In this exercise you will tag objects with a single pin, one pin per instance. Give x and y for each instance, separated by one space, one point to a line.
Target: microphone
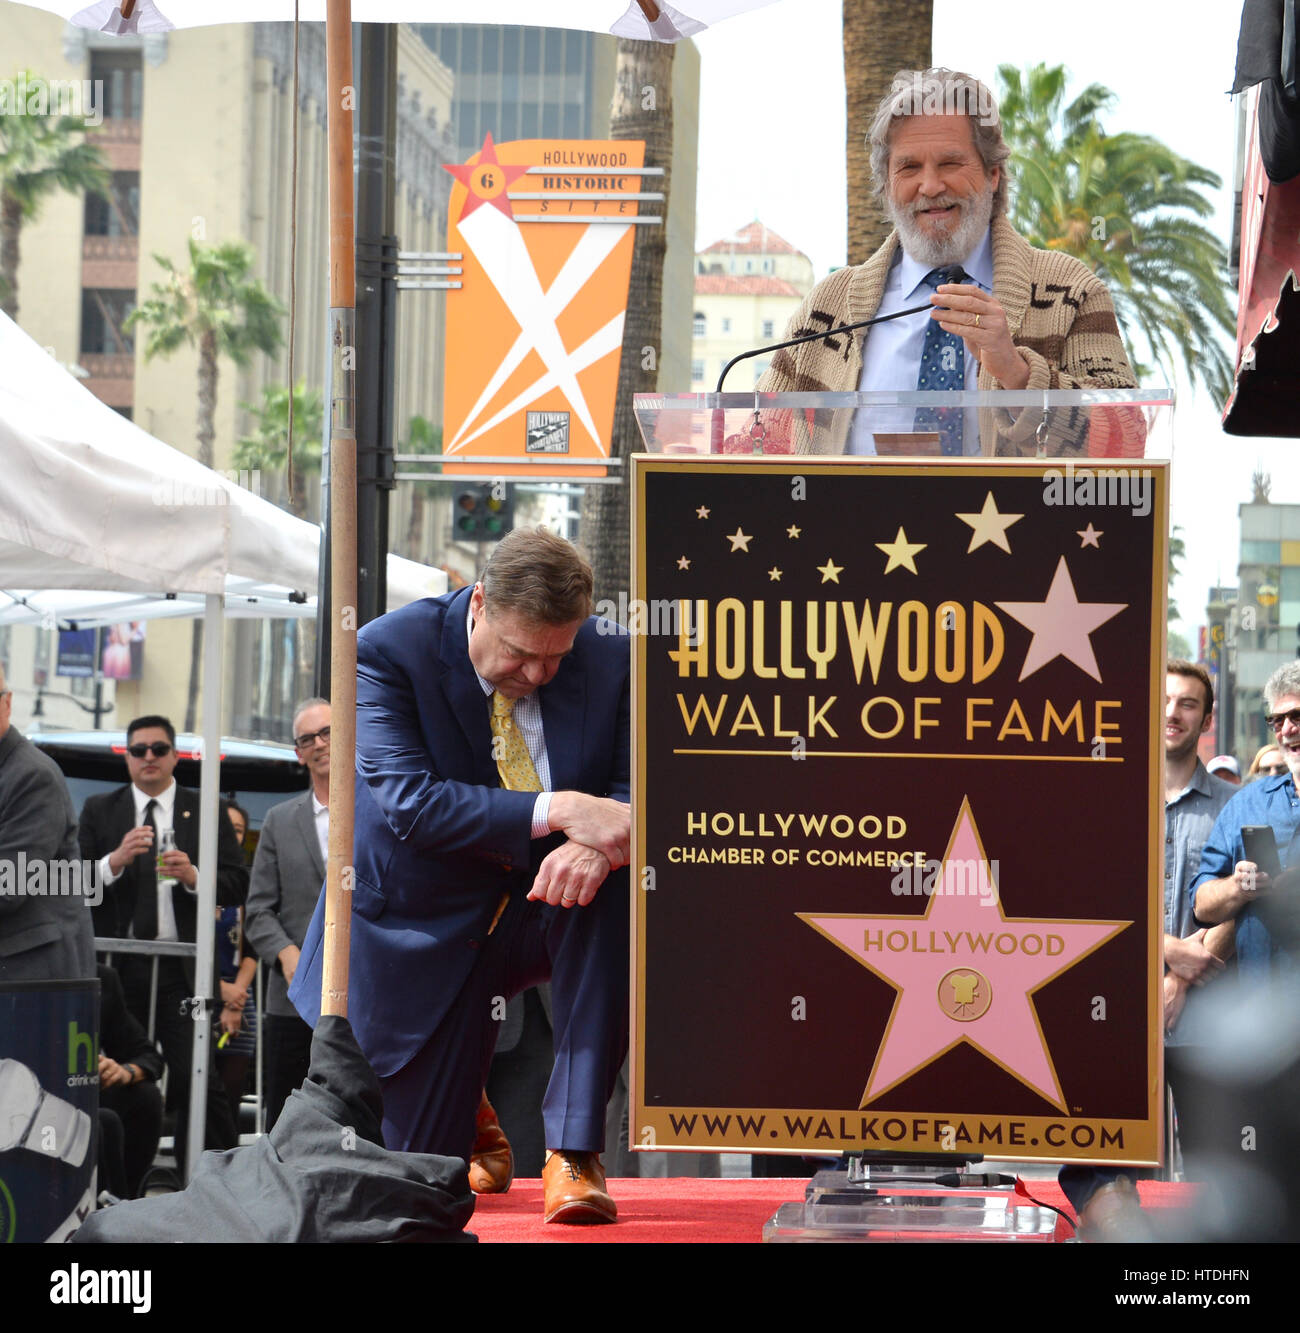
956 274
965 1180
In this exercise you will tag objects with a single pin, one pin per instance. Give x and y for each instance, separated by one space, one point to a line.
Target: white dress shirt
891 357
163 816
322 814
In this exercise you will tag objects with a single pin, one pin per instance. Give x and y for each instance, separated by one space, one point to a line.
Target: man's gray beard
937 251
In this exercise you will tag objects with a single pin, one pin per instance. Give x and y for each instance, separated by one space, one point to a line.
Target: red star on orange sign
486 180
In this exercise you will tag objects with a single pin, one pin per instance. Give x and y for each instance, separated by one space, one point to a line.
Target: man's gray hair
302 706
935 92
1285 680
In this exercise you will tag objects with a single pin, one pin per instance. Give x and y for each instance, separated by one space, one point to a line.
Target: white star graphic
774 574
1089 536
702 512
683 563
830 571
901 552
1061 625
739 541
989 525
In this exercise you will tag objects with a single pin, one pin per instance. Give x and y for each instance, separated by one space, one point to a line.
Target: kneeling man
493 754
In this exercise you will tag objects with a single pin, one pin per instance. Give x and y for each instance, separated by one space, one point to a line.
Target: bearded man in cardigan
1022 318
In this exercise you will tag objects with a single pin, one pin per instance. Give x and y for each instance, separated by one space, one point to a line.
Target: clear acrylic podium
1080 424
1083 428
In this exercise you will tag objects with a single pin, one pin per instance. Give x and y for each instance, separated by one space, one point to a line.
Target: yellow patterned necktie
514 763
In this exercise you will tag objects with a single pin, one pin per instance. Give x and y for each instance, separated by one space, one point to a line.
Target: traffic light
482 511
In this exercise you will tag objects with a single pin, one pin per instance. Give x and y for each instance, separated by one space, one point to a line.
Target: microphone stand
957 275
817 336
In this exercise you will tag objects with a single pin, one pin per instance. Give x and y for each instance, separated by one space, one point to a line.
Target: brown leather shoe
575 1188
491 1164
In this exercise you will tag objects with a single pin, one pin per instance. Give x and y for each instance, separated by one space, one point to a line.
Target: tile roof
754 239
745 284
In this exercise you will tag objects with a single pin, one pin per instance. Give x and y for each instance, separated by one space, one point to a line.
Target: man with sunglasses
153 896
288 872
1229 886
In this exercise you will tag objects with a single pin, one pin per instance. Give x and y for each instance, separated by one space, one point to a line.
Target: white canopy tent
116 522
624 18
90 500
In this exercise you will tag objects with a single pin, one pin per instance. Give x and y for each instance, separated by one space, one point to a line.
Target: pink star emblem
964 971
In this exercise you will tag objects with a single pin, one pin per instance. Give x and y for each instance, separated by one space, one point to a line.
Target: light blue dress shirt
891 358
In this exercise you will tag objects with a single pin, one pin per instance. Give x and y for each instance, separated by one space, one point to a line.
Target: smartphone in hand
1261 847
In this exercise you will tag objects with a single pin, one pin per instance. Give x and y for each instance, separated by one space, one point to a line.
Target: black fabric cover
1267 55
1259 42
322 1174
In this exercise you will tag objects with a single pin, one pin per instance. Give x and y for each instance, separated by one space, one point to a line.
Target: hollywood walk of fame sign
544 229
899 814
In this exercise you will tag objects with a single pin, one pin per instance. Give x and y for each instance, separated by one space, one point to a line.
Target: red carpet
686 1211
680 1211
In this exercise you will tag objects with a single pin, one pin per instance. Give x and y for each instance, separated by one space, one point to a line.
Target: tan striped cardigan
1060 317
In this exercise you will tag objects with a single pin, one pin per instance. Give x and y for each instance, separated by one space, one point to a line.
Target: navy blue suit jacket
437 839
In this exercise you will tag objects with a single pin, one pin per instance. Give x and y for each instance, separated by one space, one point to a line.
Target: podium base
838 1209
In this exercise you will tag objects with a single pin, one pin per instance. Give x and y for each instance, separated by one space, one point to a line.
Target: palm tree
266 448
215 306
422 437
881 37
606 528
1126 205
1177 554
39 155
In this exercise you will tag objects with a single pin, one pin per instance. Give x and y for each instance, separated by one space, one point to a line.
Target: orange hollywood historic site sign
545 229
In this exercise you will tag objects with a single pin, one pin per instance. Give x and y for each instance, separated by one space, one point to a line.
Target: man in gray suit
288 871
43 936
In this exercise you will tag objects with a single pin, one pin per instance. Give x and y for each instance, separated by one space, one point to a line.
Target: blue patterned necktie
943 367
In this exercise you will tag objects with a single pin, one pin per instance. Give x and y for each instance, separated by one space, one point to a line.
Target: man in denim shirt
1193 800
1105 1198
1228 885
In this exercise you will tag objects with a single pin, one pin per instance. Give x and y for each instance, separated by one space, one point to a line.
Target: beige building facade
746 288
197 127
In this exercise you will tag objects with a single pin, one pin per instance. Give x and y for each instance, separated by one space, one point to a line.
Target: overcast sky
772 146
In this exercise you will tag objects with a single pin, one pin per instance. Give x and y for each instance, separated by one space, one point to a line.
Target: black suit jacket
105 821
121 1037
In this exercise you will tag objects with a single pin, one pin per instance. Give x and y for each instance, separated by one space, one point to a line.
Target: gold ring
977 321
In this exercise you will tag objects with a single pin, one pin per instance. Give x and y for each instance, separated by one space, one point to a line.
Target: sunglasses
159 749
309 738
1275 720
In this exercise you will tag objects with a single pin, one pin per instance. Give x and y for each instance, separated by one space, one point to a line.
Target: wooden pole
343 508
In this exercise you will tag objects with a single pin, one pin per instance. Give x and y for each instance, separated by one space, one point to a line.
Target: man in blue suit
492 832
